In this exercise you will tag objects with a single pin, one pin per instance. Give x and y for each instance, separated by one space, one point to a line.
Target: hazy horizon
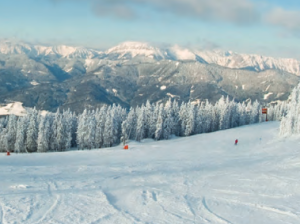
270 28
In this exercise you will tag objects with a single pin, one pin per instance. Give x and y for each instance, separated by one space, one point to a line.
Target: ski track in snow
264 207
51 186
112 201
216 218
199 179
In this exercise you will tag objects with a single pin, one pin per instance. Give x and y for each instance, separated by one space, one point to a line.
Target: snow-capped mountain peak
129 50
11 47
257 62
132 49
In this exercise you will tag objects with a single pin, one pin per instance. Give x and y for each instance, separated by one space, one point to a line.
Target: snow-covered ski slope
198 179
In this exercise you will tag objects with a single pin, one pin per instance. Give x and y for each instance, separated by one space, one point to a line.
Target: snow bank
15 108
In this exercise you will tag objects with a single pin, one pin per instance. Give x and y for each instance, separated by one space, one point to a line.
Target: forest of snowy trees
111 125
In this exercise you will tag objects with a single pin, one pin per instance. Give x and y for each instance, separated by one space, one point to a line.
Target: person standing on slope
236 141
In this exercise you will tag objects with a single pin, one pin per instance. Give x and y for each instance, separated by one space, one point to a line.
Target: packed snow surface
199 179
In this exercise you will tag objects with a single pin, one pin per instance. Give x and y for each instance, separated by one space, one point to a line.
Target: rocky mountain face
131 73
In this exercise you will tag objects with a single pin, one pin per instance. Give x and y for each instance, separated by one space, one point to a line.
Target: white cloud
238 12
233 11
284 18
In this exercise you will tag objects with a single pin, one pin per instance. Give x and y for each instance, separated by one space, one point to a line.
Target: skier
236 141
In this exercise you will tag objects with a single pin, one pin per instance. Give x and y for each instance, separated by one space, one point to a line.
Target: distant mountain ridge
129 74
129 50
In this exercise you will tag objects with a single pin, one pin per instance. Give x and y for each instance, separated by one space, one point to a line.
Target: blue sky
246 26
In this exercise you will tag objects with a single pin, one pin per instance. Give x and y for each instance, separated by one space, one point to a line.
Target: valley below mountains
131 73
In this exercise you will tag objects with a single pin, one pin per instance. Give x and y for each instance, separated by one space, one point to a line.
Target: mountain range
51 77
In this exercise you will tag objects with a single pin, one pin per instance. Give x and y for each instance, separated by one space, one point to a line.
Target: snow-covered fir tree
159 123
11 132
22 124
141 126
100 117
44 134
32 132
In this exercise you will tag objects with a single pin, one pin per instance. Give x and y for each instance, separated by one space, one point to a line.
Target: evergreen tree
81 130
44 134
11 132
159 123
153 121
168 124
100 124
254 113
190 120
55 119
32 132
108 130
128 125
3 140
141 120
21 135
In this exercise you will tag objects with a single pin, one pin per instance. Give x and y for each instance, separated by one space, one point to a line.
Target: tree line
111 125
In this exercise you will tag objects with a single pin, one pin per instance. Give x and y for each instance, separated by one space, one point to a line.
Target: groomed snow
198 179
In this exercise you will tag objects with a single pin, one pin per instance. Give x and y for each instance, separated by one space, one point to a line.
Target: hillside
198 179
129 74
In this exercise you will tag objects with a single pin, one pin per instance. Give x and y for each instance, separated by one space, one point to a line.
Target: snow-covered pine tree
175 115
11 132
128 125
91 131
199 119
168 123
254 113
100 117
108 138
61 129
242 110
190 119
235 116
32 132
115 115
74 130
159 123
81 130
21 135
54 121
153 120
3 140
148 110
68 117
44 134
183 118
222 109
208 117
141 120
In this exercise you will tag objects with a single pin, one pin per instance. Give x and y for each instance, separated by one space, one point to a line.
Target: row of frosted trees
111 125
